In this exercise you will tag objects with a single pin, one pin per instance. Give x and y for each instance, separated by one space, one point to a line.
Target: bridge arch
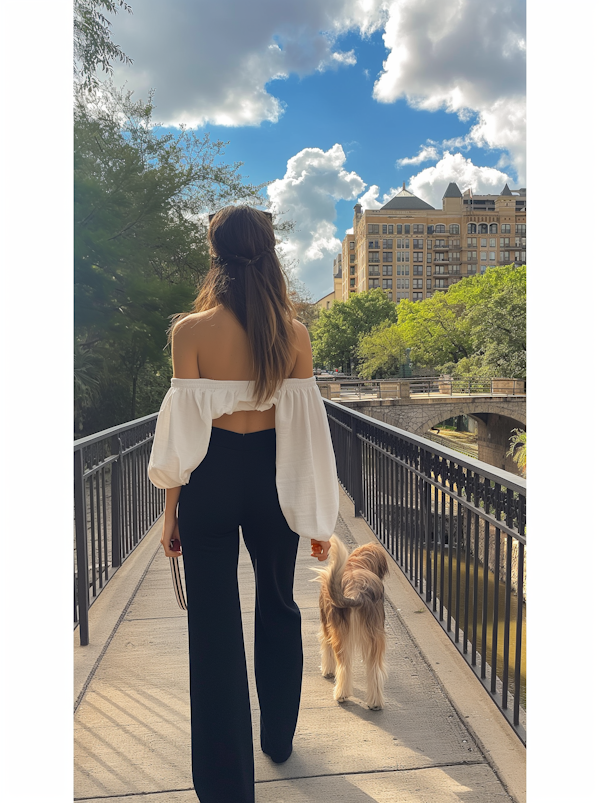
478 411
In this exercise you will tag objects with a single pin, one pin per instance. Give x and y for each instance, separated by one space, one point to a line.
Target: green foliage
140 248
476 328
92 45
518 449
381 352
337 331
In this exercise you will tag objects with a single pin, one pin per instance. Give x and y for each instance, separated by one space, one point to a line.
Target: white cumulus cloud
315 180
431 183
464 56
427 154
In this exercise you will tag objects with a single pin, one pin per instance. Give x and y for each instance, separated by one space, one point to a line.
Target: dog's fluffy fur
353 617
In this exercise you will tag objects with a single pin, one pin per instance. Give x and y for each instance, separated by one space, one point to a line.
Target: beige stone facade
412 250
337 293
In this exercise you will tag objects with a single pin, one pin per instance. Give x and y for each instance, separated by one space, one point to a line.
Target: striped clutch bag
176 577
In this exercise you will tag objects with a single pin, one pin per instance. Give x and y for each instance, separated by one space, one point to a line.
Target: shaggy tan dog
353 617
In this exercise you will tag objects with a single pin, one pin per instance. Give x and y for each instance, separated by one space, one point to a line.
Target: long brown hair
245 276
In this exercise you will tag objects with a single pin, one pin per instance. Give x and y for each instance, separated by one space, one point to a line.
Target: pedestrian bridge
443 735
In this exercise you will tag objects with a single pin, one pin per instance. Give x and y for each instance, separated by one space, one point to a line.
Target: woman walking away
242 440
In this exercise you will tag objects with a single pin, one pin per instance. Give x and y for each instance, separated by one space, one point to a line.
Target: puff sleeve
181 438
306 476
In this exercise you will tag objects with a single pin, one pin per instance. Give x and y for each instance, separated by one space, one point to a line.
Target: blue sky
324 98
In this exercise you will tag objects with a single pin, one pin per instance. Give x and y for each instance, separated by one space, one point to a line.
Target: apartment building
412 250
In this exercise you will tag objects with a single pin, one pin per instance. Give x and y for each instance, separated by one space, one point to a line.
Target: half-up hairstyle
245 277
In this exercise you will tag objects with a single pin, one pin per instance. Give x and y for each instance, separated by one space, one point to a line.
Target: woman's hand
170 531
320 549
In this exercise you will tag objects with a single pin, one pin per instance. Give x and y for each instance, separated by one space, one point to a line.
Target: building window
493 228
521 228
429 270
483 228
386 284
440 228
417 284
483 269
429 284
373 256
505 228
504 242
387 270
417 270
417 228
352 257
454 228
402 284
471 242
483 255
417 296
372 228
430 229
443 283
388 256
471 269
373 243
352 282
493 242
483 242
472 255
373 270
429 256
351 244
520 241
373 283
387 243
352 269
417 256
440 256
384 228
428 243
492 256
440 243
403 256
417 243
402 243
454 256
471 228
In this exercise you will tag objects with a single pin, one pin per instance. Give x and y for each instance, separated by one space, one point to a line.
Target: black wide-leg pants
235 486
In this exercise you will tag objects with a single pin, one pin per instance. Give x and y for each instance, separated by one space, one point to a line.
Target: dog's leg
341 643
328 665
373 651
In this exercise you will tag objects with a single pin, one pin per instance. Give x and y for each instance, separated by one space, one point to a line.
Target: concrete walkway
438 740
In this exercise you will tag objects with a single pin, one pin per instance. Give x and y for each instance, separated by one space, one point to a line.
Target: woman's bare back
213 345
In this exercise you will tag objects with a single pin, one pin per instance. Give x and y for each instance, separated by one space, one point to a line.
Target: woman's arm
170 525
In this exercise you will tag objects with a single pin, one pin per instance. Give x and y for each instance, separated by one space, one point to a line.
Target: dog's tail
331 577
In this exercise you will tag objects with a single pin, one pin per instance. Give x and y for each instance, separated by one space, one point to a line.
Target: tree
337 331
140 243
478 327
92 45
518 449
381 352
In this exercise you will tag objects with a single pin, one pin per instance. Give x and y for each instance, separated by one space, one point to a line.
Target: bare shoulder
303 368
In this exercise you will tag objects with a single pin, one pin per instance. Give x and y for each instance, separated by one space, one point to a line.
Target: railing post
83 593
356 469
115 502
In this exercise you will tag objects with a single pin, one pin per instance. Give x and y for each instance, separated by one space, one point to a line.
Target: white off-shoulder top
306 475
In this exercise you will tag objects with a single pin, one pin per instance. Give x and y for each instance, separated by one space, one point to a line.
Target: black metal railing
456 528
115 506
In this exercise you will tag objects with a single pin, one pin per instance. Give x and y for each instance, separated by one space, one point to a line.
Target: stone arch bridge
496 415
